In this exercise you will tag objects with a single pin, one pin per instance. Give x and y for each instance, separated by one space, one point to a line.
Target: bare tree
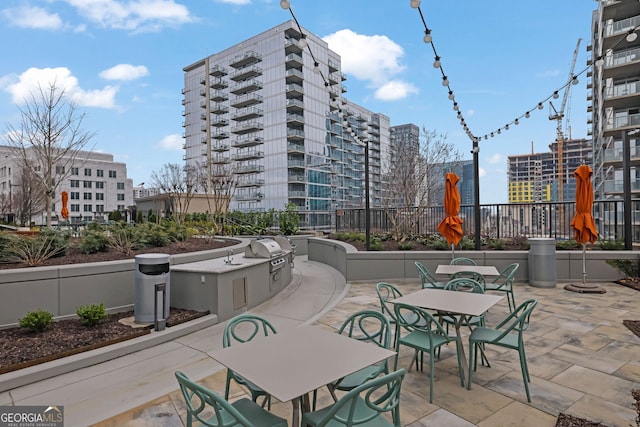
414 177
179 184
28 197
49 138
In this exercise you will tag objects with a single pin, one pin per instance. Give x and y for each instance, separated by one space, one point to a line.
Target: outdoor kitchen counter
230 285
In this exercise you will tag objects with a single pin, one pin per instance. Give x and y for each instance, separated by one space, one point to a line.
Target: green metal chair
425 335
462 261
368 326
508 334
475 276
241 329
202 402
504 283
464 284
427 278
363 406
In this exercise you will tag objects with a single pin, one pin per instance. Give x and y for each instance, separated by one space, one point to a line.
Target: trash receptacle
542 262
152 288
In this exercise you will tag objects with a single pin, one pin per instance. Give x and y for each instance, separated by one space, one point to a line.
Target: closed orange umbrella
64 212
582 223
451 225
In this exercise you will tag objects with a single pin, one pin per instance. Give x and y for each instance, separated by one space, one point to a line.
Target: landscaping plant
37 321
92 314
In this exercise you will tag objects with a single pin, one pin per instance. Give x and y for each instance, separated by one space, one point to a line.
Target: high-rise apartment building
614 91
267 117
534 177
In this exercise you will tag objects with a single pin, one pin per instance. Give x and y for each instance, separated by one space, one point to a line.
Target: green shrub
497 244
289 220
375 245
611 245
467 244
405 246
150 235
567 244
34 251
37 321
94 240
92 314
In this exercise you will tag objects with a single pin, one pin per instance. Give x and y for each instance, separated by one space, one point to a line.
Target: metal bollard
159 325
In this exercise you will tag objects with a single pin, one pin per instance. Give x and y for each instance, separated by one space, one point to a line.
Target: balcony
296 178
246 87
295 118
241 61
250 169
246 127
295 148
219 83
293 59
294 75
295 164
623 121
253 195
250 154
220 135
218 71
250 182
297 194
219 121
247 114
219 159
622 95
220 147
246 73
247 141
294 89
219 109
295 104
246 100
295 134
218 96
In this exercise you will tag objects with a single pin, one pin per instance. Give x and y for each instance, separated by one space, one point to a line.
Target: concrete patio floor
583 361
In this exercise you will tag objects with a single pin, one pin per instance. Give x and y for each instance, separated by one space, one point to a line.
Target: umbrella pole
584 265
453 251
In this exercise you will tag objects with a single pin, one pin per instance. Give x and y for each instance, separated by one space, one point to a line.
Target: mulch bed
633 325
21 348
565 420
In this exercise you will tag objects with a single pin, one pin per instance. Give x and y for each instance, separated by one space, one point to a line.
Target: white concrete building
266 113
96 185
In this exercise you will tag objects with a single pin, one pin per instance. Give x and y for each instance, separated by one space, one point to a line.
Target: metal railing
499 221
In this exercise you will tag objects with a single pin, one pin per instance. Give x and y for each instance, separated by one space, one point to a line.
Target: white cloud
30 81
395 90
136 15
375 59
236 2
495 158
124 72
482 172
171 142
32 17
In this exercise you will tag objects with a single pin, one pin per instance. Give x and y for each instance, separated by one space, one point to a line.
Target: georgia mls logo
31 416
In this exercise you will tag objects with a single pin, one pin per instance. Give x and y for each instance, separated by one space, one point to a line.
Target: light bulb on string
436 63
599 62
527 114
540 107
491 134
485 137
574 80
516 122
631 35
285 4
427 36
415 4
302 43
499 131
316 67
445 81
555 95
506 127
451 97
455 106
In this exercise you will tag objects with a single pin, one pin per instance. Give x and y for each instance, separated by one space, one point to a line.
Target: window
99 196
75 183
120 196
121 207
99 184
87 172
87 196
75 208
75 195
99 208
59 170
87 208
112 174
74 171
86 184
99 173
120 185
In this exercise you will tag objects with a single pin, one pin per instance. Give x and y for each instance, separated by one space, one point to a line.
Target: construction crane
558 115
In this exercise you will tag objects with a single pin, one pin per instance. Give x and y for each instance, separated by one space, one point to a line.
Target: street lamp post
367 207
476 192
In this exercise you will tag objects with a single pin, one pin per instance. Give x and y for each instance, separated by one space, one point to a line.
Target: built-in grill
269 249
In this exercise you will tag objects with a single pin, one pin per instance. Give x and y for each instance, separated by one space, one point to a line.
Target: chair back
245 327
200 401
473 275
368 402
465 284
427 279
462 261
412 318
507 275
369 326
387 292
517 321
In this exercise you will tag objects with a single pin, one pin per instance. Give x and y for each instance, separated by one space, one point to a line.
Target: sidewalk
95 393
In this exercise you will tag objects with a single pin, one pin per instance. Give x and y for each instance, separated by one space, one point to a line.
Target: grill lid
263 248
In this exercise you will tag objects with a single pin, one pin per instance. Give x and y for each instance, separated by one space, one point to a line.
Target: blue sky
122 61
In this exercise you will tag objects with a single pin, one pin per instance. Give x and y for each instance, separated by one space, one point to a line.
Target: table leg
463 358
299 404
